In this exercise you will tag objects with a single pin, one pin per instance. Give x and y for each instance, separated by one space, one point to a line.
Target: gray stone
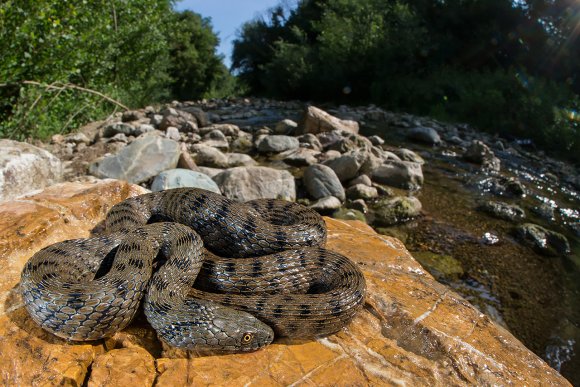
25 168
144 128
321 181
502 210
119 137
210 157
359 205
214 134
542 240
327 203
300 157
316 120
408 155
362 179
349 214
544 211
309 140
248 183
241 145
211 172
77 138
132 115
376 140
143 159
285 126
226 129
328 139
361 191
177 178
424 135
391 211
118 127
479 153
347 166
277 143
172 133
240 160
400 174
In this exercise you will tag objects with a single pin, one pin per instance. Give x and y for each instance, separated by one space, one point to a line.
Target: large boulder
178 178
316 120
143 159
25 168
320 181
413 330
248 183
400 174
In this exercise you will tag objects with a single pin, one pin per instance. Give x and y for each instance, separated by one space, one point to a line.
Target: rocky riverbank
349 163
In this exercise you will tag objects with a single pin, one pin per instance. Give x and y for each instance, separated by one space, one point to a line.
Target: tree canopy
507 66
136 52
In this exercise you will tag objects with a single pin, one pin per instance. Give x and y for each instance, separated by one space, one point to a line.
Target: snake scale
211 273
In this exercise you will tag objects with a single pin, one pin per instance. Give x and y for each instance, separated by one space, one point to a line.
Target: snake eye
247 338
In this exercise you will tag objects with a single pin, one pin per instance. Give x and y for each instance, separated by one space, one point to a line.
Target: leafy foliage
504 66
135 51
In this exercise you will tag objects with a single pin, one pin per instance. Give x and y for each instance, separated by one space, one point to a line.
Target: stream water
536 297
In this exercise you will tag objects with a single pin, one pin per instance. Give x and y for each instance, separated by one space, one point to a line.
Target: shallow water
536 297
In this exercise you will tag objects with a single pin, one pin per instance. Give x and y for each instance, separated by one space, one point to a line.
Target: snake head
240 331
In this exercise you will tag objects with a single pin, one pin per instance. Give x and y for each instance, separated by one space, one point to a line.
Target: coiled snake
277 279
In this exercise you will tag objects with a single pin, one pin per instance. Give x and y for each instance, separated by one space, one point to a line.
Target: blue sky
227 16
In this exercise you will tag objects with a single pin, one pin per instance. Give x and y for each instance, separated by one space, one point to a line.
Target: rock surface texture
413 330
25 168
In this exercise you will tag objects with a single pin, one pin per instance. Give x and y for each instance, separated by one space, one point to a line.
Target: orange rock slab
412 330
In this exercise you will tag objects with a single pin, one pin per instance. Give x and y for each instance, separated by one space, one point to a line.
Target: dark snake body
278 278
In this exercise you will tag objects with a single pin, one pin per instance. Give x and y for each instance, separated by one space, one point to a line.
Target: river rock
362 179
309 140
301 157
347 166
230 130
277 143
400 174
479 153
544 241
208 156
118 127
172 133
376 140
349 214
503 210
361 191
424 135
25 168
400 209
240 160
321 181
177 178
408 155
327 203
316 120
413 331
248 183
143 159
285 126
